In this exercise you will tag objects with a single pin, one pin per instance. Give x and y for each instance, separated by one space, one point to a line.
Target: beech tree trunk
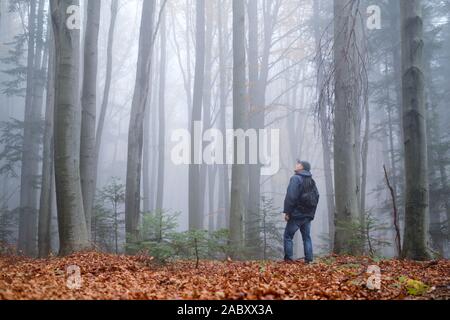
106 90
135 131
346 174
46 199
73 233
326 137
208 171
239 179
195 194
89 109
256 121
161 113
258 75
29 159
224 185
30 155
415 133
150 156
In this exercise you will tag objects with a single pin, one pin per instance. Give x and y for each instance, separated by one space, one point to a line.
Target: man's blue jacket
292 205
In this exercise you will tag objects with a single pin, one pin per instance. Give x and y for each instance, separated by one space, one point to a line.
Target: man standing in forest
300 207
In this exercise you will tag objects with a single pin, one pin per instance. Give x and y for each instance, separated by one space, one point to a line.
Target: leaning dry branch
395 213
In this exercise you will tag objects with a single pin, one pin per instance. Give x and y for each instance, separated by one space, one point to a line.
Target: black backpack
309 198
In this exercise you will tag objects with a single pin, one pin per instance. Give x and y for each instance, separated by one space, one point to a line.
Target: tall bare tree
150 157
239 179
33 109
256 121
48 174
259 67
195 194
415 133
224 185
346 117
161 111
107 88
136 131
208 172
89 109
326 136
73 233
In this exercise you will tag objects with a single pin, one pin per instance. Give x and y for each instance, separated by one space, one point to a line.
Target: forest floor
109 276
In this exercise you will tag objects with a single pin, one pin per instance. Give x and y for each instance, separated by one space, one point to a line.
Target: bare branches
355 58
395 213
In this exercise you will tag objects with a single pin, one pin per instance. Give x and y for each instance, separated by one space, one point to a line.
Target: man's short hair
306 165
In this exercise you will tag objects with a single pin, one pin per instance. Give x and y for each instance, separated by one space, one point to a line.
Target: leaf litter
117 277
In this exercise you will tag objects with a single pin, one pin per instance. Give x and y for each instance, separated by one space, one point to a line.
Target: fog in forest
103 115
